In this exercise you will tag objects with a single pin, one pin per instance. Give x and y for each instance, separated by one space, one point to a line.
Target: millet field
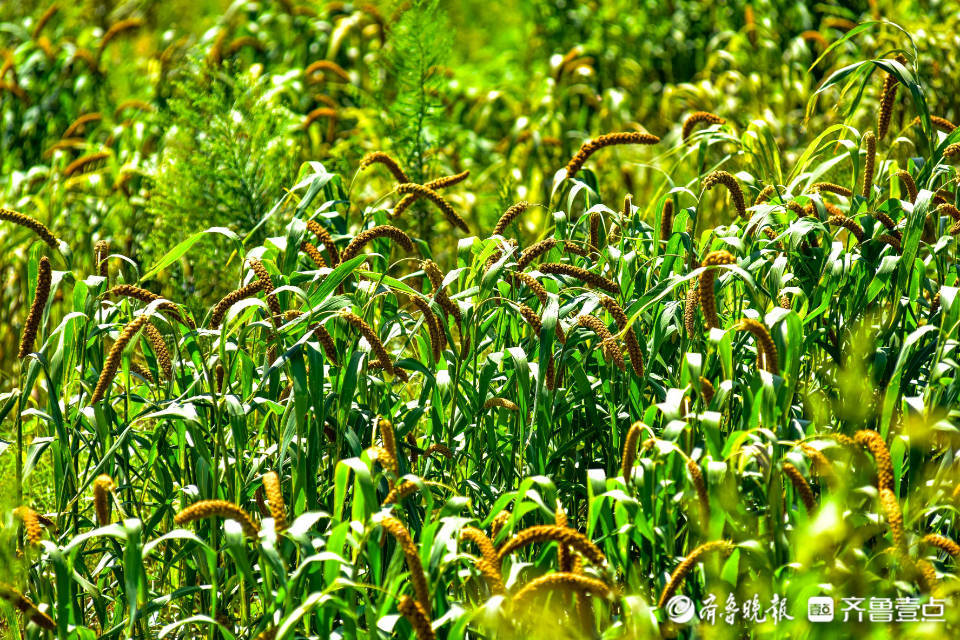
477 320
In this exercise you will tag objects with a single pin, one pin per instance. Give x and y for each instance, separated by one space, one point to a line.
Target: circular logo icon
680 609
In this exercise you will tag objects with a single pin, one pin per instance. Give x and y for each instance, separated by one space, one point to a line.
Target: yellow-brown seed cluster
830 187
840 220
730 182
500 402
436 281
423 191
34 225
112 362
552 533
103 485
358 323
874 442
588 277
696 118
887 96
705 293
534 251
218 508
683 569
801 485
583 585
418 618
629 336
509 216
870 140
382 231
223 305
382 158
326 240
35 315
666 220
767 351
611 351
29 609
419 579
31 523
587 149
278 508
700 486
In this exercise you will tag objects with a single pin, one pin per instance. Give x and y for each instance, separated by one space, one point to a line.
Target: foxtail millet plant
530 282
873 441
888 222
389 439
870 141
218 509
695 118
551 582
223 305
700 486
35 315
683 569
417 616
801 486
34 225
765 194
112 363
383 158
888 94
590 147
417 577
435 276
730 182
829 187
767 349
690 307
264 277
422 191
326 240
503 403
159 349
100 252
666 220
629 455
503 517
30 611
705 294
278 508
611 350
313 253
909 184
381 231
840 220
534 251
103 487
511 214
629 335
943 543
552 533
941 124
438 337
894 516
588 277
31 523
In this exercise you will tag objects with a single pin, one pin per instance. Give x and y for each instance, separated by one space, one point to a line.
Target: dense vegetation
429 320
